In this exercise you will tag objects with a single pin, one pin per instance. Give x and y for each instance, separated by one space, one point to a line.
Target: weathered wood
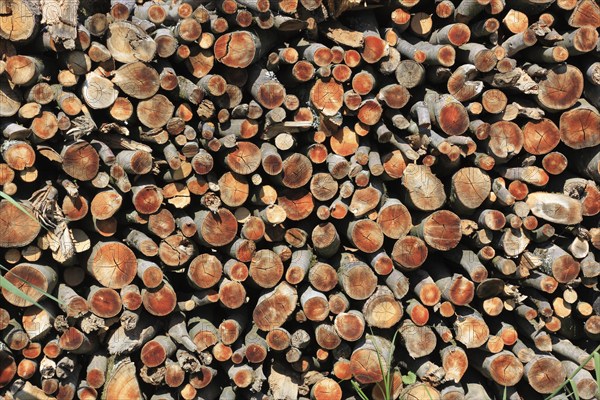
256 155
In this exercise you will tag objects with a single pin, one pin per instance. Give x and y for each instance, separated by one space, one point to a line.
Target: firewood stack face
249 199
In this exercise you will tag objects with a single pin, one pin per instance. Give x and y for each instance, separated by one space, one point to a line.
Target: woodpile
248 199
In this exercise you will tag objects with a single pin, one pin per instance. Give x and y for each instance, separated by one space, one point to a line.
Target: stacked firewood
250 199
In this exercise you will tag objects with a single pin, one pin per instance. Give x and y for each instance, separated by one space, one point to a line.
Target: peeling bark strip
248 199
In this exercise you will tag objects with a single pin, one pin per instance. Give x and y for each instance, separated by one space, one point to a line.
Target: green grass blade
428 392
359 390
558 389
597 368
42 291
7 285
389 382
383 373
574 386
18 205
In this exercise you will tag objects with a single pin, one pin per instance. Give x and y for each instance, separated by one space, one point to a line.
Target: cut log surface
113 264
18 228
250 199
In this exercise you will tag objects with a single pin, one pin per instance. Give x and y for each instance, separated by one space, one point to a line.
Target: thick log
558 263
394 219
418 340
553 100
122 50
544 373
366 235
470 188
215 229
554 207
19 228
25 276
423 189
122 381
113 264
409 252
504 368
471 329
239 49
579 126
425 288
506 140
583 380
483 58
104 302
356 279
454 362
314 304
17 154
447 113
365 364
269 313
382 310
441 230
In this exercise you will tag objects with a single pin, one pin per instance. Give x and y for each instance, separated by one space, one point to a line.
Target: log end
235 49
